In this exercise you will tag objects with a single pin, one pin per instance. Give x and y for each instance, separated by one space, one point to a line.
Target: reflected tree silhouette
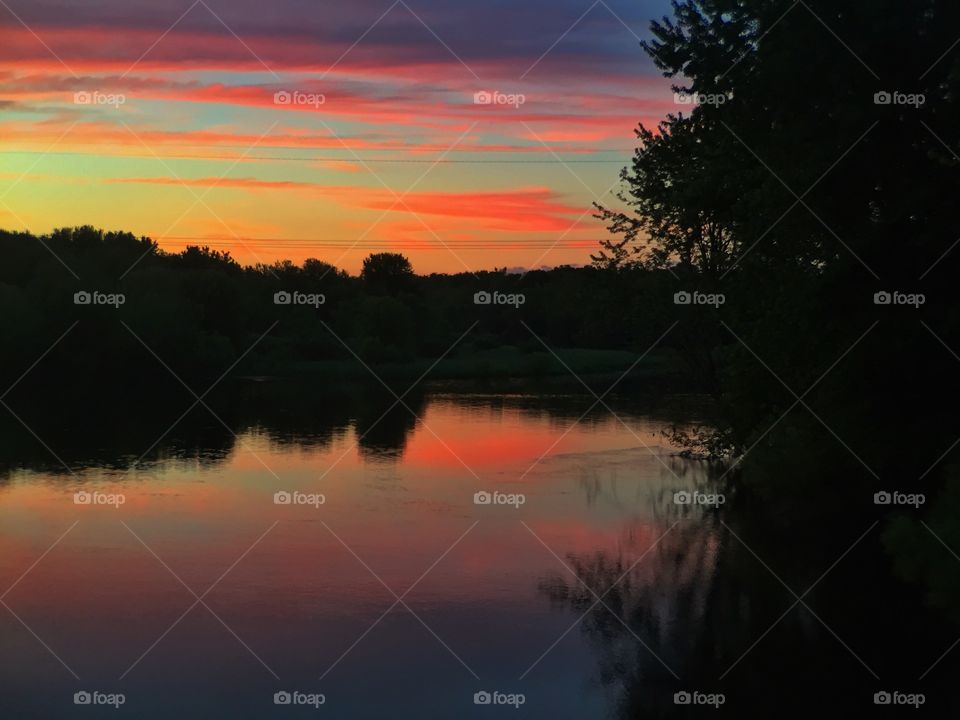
383 428
706 610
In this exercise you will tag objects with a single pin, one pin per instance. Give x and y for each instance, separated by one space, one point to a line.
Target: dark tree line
203 313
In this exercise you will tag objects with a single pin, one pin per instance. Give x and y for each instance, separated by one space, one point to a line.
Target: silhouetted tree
799 188
680 198
387 273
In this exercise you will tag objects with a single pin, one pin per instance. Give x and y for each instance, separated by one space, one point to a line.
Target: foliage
795 191
202 314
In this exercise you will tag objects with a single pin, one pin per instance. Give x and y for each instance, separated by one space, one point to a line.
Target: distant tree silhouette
387 273
201 311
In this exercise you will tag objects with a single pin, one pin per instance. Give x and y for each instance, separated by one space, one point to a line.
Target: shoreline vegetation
202 313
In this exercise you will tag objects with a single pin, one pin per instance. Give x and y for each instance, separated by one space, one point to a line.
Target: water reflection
781 621
494 598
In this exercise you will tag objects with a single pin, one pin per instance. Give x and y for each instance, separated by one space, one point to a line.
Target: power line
279 158
303 243
341 241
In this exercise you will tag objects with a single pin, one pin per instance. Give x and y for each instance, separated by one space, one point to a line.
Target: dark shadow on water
713 608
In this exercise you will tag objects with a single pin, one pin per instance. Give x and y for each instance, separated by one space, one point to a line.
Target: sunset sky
296 129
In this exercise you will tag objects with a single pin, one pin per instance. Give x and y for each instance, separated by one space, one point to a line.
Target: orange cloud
514 210
109 139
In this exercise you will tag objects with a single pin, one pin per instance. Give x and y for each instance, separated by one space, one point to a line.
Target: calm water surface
302 597
399 596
